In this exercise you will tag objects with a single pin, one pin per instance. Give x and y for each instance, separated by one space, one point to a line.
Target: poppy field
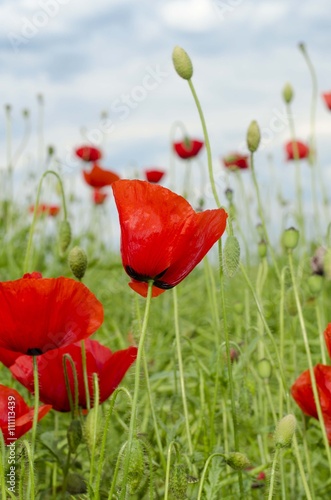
189 359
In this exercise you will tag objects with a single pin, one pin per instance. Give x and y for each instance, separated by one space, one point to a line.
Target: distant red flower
302 150
154 175
39 314
44 209
235 161
99 197
327 99
16 417
99 178
88 153
109 366
302 391
162 237
188 148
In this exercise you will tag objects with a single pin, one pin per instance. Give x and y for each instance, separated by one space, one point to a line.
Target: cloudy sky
112 58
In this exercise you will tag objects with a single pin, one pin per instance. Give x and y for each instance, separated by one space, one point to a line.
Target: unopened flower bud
237 460
238 308
50 150
285 430
288 93
136 472
290 238
77 261
231 256
315 283
253 136
262 249
74 435
93 428
178 481
264 368
64 236
182 63
229 194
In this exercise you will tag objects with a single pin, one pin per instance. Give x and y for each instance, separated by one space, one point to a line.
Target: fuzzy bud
253 136
262 249
93 429
264 368
136 472
315 283
74 435
77 261
237 460
288 93
64 236
182 63
178 481
231 256
285 430
290 238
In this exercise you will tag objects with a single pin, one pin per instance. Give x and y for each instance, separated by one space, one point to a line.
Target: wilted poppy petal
39 314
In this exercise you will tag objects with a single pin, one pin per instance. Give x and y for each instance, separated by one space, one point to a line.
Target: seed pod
285 430
182 63
264 368
262 249
231 256
64 236
77 261
315 283
288 93
290 238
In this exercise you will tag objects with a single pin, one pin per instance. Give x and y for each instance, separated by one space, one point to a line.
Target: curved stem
85 376
36 404
64 206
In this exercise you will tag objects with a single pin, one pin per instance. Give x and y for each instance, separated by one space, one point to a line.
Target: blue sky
88 58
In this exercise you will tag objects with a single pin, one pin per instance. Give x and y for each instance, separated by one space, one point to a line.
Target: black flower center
145 279
34 351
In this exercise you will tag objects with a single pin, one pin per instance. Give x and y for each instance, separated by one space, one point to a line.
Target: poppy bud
253 136
64 236
50 150
178 481
182 63
76 484
262 249
237 460
288 93
74 435
290 238
229 194
285 430
264 368
315 283
77 261
238 308
136 472
231 256
93 429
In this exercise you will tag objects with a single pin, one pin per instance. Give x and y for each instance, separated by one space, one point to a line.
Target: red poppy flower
44 209
39 314
301 149
188 148
88 153
110 367
16 417
235 161
327 99
302 390
8 357
154 175
162 237
99 196
99 178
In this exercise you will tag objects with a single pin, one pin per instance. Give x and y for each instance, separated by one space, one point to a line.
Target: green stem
181 372
167 478
132 428
301 469
207 144
32 227
30 490
273 473
85 376
309 359
95 426
204 472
